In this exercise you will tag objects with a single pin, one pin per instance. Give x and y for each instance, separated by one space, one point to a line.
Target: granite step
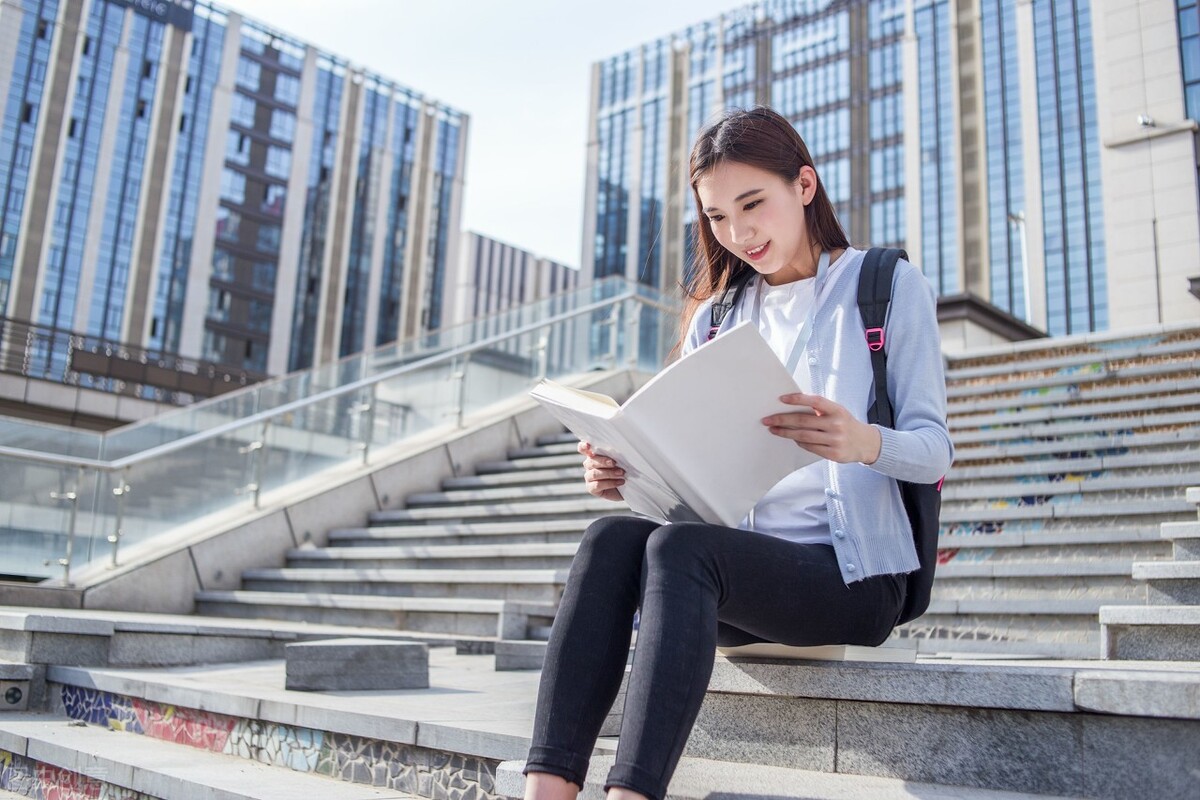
448 617
1185 539
524 585
463 556
500 494
704 779
1158 510
1002 401
1145 457
535 477
1089 446
1159 633
1088 729
543 451
562 437
585 507
103 762
1056 419
574 460
971 367
1000 429
1170 583
1182 367
1105 581
1067 547
553 531
1165 478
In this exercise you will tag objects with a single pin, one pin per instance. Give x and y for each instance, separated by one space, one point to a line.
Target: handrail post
634 322
612 324
119 491
368 417
259 451
543 348
460 390
71 497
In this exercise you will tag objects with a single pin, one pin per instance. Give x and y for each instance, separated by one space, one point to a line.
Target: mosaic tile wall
416 770
42 782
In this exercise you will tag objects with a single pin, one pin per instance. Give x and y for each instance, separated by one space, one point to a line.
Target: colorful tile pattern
417 770
44 782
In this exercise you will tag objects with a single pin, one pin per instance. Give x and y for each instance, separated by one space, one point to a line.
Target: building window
279 162
243 110
249 73
283 125
233 187
287 89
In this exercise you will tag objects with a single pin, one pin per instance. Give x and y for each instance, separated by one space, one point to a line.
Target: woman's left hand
829 430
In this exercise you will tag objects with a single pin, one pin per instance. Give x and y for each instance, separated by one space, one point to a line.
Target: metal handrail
263 416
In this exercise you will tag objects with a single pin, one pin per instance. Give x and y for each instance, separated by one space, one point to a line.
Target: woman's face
759 217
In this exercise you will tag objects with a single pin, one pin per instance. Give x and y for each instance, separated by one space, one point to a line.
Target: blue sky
521 70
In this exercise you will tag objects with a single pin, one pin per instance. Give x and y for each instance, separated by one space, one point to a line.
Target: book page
704 415
644 490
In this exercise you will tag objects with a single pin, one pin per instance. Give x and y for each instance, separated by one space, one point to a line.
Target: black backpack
922 501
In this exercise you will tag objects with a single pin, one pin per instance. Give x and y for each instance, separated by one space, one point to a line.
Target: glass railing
59 512
212 412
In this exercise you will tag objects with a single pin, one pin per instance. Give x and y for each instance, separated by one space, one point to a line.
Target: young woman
821 559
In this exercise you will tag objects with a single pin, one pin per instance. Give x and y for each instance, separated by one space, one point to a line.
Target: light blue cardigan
869 528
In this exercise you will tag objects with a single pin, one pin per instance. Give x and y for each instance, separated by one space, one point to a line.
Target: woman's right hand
601 474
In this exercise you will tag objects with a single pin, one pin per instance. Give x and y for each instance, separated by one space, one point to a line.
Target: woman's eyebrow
737 199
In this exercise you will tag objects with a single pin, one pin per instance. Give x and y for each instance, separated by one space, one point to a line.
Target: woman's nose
741 233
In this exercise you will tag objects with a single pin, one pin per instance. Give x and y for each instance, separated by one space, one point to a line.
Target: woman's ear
806 184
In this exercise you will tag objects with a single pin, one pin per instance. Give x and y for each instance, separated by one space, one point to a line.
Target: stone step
1090 446
1089 730
1002 401
500 494
515 478
449 617
463 556
585 507
1152 404
958 643
1184 538
702 779
1193 496
1000 428
1030 361
100 763
522 532
1121 510
562 437
524 585
1012 538
1108 482
1158 633
1181 367
542 451
1170 583
1145 457
531 464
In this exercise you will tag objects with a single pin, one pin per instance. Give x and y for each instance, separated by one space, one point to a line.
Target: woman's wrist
872 445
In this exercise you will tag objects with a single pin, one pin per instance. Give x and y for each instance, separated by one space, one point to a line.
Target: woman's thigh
774 590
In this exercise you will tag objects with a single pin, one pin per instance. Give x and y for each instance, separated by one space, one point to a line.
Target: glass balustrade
244 451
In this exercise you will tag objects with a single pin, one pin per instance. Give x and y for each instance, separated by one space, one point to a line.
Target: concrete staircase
1069 457
1168 629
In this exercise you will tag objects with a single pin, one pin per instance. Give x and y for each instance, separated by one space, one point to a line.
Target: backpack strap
874 295
733 293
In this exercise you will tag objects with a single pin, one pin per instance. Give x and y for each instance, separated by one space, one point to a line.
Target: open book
691 441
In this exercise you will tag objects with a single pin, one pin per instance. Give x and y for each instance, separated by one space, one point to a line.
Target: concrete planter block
337 665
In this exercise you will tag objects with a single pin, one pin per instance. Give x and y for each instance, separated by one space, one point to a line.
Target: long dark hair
758 137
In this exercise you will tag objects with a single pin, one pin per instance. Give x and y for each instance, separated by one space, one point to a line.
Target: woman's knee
677 544
620 538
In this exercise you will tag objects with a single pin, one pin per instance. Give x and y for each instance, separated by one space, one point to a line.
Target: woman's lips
756 253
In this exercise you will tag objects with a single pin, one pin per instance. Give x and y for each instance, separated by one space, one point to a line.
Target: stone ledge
1166 570
978 684
1180 530
1193 495
1150 615
697 779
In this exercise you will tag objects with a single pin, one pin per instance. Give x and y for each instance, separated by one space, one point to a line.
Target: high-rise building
491 276
176 176
1038 154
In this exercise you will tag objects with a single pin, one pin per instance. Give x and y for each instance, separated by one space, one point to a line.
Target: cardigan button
851 568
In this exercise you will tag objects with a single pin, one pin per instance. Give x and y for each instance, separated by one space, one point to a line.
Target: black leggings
698 586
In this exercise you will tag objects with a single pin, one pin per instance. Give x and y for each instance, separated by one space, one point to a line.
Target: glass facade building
178 177
966 132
